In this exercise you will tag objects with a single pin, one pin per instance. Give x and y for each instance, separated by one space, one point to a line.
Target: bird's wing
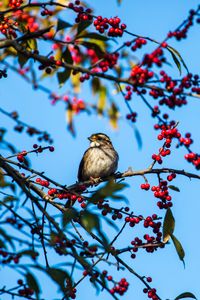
81 166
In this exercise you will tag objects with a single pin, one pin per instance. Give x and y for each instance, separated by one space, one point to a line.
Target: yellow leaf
76 83
113 114
102 100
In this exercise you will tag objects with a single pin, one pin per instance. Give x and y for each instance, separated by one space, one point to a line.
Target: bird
99 160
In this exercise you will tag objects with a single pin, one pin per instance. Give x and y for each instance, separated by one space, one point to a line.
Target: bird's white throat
94 144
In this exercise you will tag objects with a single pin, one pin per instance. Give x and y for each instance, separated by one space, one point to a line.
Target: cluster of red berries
145 186
193 158
172 101
60 244
115 29
120 288
155 58
196 90
21 155
129 93
7 27
82 13
46 12
167 133
187 141
84 77
151 293
150 221
139 42
28 20
88 251
132 117
109 61
15 3
14 221
8 257
25 292
133 220
161 192
140 76
71 291
182 33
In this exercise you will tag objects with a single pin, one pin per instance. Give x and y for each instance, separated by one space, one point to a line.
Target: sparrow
99 160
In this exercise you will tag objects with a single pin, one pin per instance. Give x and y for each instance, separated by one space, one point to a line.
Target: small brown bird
99 160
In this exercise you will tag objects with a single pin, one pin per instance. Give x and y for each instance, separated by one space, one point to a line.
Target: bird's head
99 139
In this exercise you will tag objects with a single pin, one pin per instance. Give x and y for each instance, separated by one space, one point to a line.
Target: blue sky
153 19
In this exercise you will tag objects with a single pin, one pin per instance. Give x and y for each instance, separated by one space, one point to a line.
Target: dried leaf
168 225
179 249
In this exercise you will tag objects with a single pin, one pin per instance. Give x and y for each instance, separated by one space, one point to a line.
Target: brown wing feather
81 166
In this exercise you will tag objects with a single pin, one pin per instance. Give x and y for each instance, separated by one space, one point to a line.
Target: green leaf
33 283
168 225
174 188
177 58
93 35
94 46
96 83
63 76
179 249
68 216
7 238
90 221
185 295
30 253
108 190
59 276
67 57
83 25
2 245
62 25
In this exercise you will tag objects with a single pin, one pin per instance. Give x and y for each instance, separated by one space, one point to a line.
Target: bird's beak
90 139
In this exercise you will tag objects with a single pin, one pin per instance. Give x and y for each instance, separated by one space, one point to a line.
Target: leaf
108 190
93 35
22 59
177 58
2 245
83 25
62 25
7 238
69 117
67 57
59 276
32 44
174 188
30 253
92 45
33 283
68 215
102 100
185 295
168 225
76 83
63 76
96 84
138 137
90 221
179 249
113 114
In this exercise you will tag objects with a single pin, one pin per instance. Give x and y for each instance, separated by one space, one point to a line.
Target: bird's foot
95 181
